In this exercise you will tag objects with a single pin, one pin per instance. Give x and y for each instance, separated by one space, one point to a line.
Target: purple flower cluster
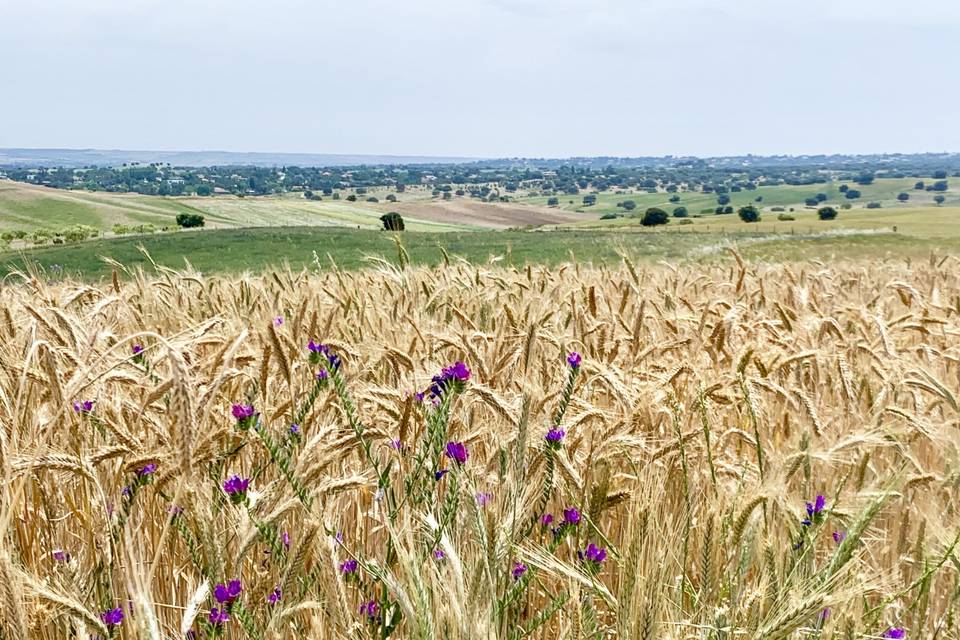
83 407
593 554
236 487
518 570
137 349
574 359
452 378
226 594
112 617
571 517
483 498
245 415
275 595
61 556
218 617
894 633
839 536
320 352
147 470
370 609
554 438
349 567
815 511
457 451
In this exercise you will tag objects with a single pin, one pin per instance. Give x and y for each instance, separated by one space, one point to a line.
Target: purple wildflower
147 470
126 492
573 359
438 554
236 487
61 556
83 407
278 321
370 610
245 414
322 374
839 536
219 616
396 444
348 567
895 633
824 615
438 475
320 352
285 539
546 519
594 554
113 617
174 510
518 570
483 498
275 596
226 594
452 377
137 349
815 511
418 396
458 452
571 517
554 437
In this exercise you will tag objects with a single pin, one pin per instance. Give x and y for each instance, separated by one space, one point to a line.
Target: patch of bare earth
483 214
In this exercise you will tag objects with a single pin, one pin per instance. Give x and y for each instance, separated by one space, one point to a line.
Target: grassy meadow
728 450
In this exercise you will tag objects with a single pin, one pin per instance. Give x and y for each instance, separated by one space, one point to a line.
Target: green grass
238 250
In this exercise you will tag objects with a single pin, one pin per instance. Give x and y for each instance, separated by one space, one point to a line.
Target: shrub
350 198
629 205
680 212
553 202
903 197
846 205
785 217
609 216
190 220
654 216
749 213
372 199
873 205
852 194
392 221
686 221
775 209
589 200
674 198
811 202
939 199
826 213
939 185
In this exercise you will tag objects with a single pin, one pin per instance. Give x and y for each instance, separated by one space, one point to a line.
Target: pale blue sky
483 77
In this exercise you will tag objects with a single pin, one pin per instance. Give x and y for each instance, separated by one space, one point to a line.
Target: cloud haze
482 77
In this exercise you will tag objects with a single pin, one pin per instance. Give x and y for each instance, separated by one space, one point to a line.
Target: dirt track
483 214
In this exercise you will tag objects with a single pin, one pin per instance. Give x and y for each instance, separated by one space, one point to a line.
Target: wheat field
656 488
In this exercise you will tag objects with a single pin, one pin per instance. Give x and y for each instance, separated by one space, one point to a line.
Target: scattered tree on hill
351 198
821 197
391 197
852 194
392 221
939 199
204 190
189 220
903 197
553 202
674 198
758 199
629 205
589 200
919 186
940 174
680 212
749 213
724 199
827 213
843 188
873 205
654 216
811 202
939 185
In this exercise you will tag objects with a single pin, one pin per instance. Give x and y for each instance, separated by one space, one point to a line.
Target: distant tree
392 221
864 179
351 198
939 185
372 199
391 197
609 216
749 213
361 191
629 205
653 217
308 194
680 212
903 197
811 202
589 200
327 191
852 194
758 199
940 174
844 188
189 220
728 209
674 198
204 190
821 197
723 199
447 195
553 202
827 213
336 195
919 186
459 192
939 199
401 187
846 205
873 205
